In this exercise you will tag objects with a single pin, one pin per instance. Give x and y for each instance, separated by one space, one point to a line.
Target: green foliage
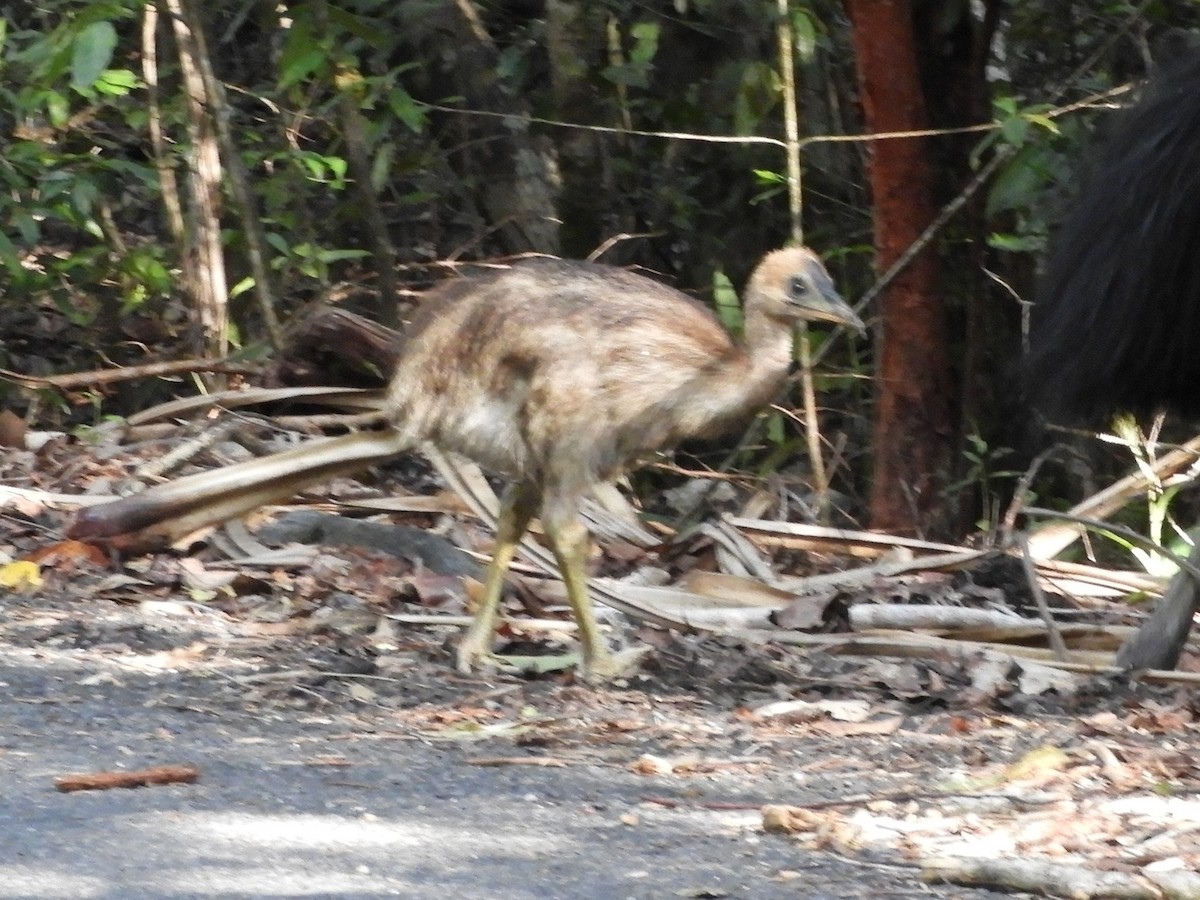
636 70
757 97
92 52
725 298
82 224
326 62
806 33
1158 497
67 165
1040 163
773 184
310 260
984 474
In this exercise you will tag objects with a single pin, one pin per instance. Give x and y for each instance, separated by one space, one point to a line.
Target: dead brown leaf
68 555
12 430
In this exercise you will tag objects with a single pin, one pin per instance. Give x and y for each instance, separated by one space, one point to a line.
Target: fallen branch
1055 879
104 781
73 380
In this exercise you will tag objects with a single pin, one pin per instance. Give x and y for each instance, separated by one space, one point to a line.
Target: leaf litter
932 726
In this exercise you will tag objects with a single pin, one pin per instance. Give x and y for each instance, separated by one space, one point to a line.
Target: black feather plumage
1117 322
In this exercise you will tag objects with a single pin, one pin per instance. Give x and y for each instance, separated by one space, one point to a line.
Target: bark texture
914 422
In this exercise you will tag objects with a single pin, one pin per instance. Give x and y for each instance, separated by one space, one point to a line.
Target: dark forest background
184 179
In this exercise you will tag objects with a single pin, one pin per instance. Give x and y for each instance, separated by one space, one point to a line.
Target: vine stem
791 127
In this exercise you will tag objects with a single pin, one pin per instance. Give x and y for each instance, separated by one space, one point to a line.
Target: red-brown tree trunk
913 416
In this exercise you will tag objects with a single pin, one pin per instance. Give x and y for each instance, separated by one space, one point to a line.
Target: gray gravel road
296 804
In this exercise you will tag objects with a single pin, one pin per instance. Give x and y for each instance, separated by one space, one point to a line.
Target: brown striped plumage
555 374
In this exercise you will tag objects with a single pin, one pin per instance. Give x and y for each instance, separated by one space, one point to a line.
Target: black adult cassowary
1117 322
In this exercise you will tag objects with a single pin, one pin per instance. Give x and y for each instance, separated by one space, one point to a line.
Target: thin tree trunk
913 414
239 181
203 262
168 183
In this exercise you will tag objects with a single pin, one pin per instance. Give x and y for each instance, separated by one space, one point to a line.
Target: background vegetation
185 178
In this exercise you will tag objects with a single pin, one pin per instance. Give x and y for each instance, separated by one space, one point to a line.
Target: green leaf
1044 121
361 28
241 287
635 72
58 110
405 108
725 298
757 94
277 241
116 82
323 169
91 54
776 434
769 177
1015 243
1015 130
9 256
26 223
1005 107
83 196
1020 183
301 66
337 255
645 37
148 269
302 53
804 32
625 75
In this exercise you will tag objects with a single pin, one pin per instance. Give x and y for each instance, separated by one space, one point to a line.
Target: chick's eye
797 286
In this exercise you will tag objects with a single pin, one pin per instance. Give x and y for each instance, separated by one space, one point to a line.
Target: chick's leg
517 509
569 540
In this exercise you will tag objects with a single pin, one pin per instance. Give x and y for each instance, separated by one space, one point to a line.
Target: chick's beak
829 306
834 309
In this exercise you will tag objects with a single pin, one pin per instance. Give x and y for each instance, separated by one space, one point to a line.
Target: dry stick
792 147
791 121
615 239
103 781
616 59
73 380
1127 533
158 466
937 648
791 128
1008 523
727 138
1057 644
